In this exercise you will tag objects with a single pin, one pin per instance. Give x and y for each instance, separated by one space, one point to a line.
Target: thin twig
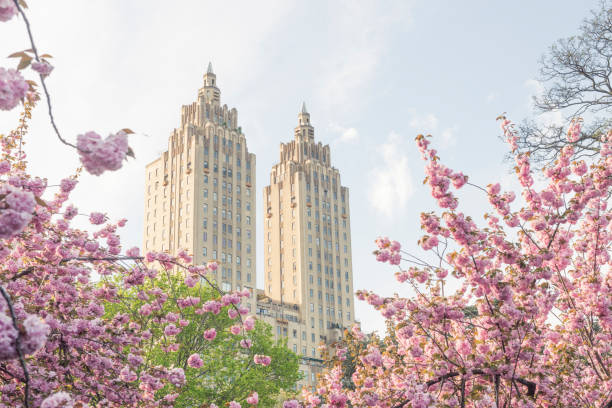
24 367
42 79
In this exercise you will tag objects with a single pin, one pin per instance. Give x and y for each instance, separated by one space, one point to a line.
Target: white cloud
425 123
491 97
346 135
429 123
390 183
448 137
358 42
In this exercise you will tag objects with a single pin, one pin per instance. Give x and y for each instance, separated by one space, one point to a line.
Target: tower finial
209 70
304 107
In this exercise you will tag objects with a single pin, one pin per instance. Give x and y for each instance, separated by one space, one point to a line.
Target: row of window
225 257
225 242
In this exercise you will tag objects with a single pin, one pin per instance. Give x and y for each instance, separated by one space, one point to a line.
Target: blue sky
373 75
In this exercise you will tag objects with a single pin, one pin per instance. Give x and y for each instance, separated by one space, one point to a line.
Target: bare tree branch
42 78
575 75
26 375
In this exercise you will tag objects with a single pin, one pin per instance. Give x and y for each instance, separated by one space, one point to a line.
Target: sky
373 74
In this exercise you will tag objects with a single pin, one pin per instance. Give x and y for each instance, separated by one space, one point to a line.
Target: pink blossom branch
531 386
26 375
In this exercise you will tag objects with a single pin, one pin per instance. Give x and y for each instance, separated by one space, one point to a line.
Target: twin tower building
200 196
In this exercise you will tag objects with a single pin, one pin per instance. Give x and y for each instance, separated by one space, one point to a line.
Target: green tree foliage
228 372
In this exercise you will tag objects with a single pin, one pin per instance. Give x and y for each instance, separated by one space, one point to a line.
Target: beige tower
200 193
307 243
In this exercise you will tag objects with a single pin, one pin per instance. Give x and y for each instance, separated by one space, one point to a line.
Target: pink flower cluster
99 155
34 336
573 133
195 361
253 399
7 10
16 210
43 68
388 251
262 360
58 400
291 404
13 87
210 334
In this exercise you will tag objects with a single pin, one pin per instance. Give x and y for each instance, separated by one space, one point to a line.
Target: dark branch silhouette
575 75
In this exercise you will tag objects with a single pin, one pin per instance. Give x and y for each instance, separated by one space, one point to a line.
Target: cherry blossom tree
62 343
513 312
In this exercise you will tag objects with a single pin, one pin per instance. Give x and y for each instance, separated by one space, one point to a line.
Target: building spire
209 70
304 107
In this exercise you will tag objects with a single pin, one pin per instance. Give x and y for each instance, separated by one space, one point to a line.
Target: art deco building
308 292
200 193
200 197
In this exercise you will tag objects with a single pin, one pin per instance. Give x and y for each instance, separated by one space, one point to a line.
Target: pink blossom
99 155
191 281
134 360
235 329
253 399
97 218
68 184
13 87
234 404
210 334
291 404
36 332
249 323
195 361
573 132
262 360
8 338
43 68
171 330
176 376
246 343
58 400
133 252
15 210
127 375
7 10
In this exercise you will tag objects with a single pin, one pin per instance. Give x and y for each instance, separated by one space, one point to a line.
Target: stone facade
200 194
200 197
307 247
